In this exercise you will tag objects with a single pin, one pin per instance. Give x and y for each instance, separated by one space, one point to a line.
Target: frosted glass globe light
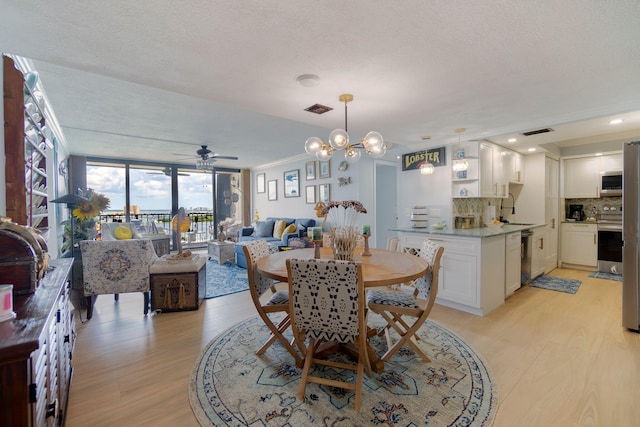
325 153
339 139
313 145
373 141
352 154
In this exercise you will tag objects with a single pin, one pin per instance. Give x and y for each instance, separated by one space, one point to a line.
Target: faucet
513 205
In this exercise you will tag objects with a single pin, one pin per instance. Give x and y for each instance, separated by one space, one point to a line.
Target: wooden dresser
35 353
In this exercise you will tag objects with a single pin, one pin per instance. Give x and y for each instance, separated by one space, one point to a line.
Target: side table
221 251
178 285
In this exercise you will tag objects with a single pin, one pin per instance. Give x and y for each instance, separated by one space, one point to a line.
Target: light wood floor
558 359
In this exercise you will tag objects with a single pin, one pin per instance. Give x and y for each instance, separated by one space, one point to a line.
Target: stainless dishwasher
526 252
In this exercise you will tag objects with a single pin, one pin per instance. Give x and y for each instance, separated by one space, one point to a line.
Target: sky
150 191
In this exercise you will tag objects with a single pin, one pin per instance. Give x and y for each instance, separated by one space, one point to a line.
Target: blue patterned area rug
559 284
608 276
225 279
231 386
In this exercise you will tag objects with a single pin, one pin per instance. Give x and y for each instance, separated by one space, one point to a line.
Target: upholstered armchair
115 267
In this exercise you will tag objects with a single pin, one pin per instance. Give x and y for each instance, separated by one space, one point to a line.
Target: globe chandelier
373 144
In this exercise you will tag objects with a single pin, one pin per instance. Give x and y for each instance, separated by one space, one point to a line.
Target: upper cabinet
491 168
581 177
25 146
582 174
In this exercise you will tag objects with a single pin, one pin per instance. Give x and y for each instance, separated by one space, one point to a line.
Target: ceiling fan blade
215 156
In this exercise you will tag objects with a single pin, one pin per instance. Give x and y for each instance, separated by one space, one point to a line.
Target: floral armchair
115 267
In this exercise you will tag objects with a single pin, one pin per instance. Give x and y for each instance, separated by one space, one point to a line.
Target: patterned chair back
430 252
326 297
254 251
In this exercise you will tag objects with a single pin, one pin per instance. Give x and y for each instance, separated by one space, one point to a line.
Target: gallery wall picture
325 169
324 195
260 181
310 191
292 183
310 168
272 190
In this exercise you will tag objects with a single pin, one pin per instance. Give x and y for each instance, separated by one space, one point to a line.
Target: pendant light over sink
373 143
459 164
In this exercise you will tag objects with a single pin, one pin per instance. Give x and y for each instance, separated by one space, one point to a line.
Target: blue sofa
263 230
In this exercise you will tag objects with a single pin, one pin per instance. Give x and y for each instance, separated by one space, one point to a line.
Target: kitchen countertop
471 232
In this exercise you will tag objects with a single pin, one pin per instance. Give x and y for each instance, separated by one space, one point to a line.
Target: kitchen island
473 266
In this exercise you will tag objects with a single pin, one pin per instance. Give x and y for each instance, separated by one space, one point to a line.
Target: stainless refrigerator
630 236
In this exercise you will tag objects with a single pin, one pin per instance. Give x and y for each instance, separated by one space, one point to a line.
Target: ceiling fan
166 171
205 154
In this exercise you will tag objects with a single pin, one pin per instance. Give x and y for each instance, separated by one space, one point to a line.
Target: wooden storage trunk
18 263
179 291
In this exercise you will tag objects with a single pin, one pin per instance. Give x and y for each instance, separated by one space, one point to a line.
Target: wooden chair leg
147 300
90 301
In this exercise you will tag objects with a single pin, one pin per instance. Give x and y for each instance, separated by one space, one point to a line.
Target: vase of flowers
344 231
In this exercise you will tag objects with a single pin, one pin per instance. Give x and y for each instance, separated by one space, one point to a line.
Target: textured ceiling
154 80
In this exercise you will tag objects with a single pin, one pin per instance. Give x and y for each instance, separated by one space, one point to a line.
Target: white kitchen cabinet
538 257
515 167
513 261
579 244
610 163
552 209
581 177
494 173
471 276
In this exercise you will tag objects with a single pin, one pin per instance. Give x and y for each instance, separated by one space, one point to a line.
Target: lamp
459 164
427 168
373 143
205 164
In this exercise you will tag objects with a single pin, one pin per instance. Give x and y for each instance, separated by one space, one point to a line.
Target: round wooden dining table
381 268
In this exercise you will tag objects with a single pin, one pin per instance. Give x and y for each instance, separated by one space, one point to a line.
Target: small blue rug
608 276
559 284
225 279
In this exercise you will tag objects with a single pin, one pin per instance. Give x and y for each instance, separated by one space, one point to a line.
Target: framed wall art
292 183
325 169
272 190
310 168
260 180
323 190
310 192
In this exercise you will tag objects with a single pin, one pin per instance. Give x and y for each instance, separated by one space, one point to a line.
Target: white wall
296 207
433 190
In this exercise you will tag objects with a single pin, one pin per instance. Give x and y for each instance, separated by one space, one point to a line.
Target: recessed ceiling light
425 137
616 121
511 140
308 80
598 154
531 150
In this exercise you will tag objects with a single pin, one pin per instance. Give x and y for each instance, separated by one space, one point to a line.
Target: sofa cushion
278 228
264 228
122 233
291 228
304 223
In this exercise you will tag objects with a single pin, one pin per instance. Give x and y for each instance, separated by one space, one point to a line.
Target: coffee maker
576 212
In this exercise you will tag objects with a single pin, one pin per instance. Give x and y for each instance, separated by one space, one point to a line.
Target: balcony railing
200 231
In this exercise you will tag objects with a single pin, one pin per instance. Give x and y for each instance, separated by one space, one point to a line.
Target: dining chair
392 305
327 303
278 301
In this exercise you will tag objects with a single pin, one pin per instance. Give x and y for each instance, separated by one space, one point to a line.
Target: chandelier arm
346 129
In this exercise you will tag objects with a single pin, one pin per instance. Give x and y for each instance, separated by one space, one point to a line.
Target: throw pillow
278 228
264 228
291 228
122 233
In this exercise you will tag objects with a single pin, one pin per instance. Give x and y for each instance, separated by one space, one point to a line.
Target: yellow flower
86 211
100 201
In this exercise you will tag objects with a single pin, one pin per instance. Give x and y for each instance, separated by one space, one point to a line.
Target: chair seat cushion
279 298
391 298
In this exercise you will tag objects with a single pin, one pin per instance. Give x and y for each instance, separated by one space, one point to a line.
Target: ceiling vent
318 109
537 131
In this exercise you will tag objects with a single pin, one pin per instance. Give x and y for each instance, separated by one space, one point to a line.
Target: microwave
611 184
